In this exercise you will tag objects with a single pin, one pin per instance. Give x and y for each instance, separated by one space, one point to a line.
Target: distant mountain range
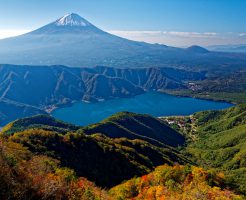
240 48
28 90
75 42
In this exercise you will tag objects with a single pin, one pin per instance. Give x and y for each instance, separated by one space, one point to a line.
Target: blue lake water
153 103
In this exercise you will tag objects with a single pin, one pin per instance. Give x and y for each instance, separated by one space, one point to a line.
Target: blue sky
174 22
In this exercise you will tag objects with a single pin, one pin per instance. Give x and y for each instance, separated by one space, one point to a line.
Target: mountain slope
24 85
25 175
177 182
73 41
63 83
136 126
10 111
221 143
95 156
44 122
98 157
123 124
219 146
197 49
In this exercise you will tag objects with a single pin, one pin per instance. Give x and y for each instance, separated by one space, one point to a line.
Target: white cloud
191 34
136 33
242 34
5 33
172 38
179 38
159 33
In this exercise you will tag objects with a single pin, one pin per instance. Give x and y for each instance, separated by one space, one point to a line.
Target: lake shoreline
178 93
51 108
157 104
54 107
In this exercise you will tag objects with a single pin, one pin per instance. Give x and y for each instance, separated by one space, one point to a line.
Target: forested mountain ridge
137 126
44 122
226 87
29 176
220 143
123 124
96 156
42 139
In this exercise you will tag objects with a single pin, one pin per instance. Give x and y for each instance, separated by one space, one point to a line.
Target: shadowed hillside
22 88
136 126
218 146
45 122
97 156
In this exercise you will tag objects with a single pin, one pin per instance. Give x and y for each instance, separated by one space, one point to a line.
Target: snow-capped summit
72 40
72 20
68 24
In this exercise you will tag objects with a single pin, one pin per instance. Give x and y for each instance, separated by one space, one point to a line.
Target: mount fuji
69 24
73 41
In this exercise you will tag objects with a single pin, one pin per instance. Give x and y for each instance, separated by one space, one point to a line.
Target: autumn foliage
177 183
54 163
27 176
24 175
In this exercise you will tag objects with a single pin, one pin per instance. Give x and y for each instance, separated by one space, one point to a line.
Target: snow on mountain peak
72 20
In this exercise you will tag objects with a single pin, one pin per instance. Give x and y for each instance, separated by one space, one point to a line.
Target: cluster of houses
194 86
177 120
180 121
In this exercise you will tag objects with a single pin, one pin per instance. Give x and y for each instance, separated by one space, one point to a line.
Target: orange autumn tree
177 182
24 175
